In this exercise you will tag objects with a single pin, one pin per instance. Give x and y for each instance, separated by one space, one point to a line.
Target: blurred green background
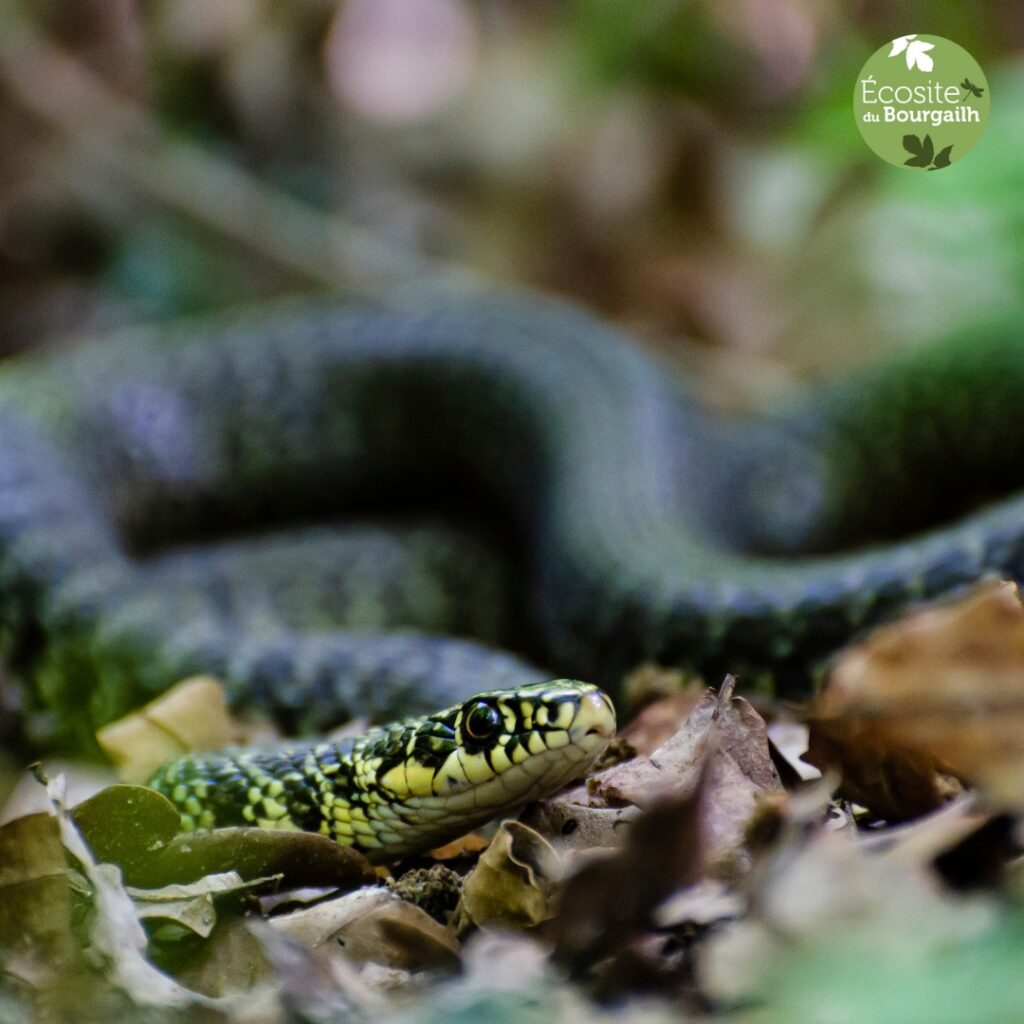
688 167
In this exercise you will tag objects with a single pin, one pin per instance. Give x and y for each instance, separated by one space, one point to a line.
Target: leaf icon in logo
921 151
917 54
900 44
916 51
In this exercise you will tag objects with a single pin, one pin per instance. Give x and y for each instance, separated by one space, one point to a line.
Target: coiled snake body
172 500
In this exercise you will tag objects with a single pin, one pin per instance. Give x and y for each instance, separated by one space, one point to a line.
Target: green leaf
941 159
927 149
300 858
126 824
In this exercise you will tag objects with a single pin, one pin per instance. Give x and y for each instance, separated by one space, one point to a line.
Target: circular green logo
921 102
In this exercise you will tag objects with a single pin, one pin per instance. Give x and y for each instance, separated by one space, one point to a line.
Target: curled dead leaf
720 722
697 794
513 884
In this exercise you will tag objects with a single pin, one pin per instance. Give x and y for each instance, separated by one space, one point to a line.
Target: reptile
407 787
382 511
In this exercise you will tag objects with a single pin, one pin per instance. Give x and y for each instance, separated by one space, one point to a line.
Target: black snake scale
177 499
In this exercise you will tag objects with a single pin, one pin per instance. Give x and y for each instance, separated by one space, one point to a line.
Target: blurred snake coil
363 510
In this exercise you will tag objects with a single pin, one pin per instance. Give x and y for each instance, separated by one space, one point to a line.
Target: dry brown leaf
192 715
513 883
465 846
35 894
894 782
611 899
570 823
731 736
829 890
728 725
724 730
319 984
939 692
659 721
313 926
230 963
397 934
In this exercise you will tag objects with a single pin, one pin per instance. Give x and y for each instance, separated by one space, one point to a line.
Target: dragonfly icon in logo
975 90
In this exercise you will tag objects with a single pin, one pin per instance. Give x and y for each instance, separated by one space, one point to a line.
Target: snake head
496 751
406 787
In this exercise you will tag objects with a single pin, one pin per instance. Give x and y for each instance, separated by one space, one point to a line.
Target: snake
403 788
380 510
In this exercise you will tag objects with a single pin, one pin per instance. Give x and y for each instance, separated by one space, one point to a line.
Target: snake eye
481 722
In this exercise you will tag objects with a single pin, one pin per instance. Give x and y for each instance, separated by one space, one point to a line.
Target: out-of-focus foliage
936 694
689 166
